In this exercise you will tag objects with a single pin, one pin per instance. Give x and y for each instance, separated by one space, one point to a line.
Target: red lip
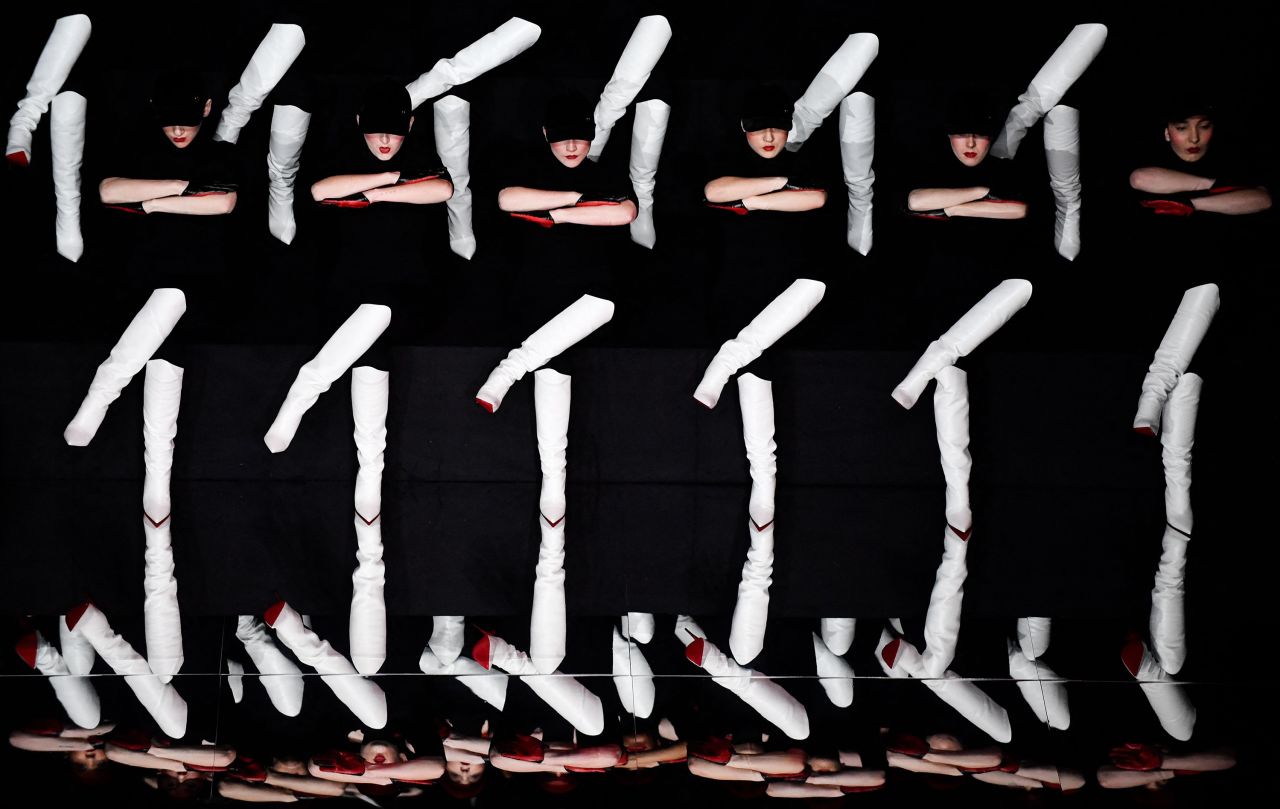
571 157
179 140
384 149
971 155
1193 150
770 148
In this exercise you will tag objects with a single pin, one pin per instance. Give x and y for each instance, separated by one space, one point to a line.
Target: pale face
182 136
461 772
767 143
88 759
570 153
384 145
970 149
378 752
1190 138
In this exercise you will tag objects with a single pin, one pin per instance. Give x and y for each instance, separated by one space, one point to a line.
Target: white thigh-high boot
66 140
687 630
551 398
1177 347
277 51
561 332
1062 155
783 314
75 693
1049 85
751 612
857 153
289 127
447 633
633 677
638 626
648 133
1177 435
942 621
1167 697
160 699
370 392
140 340
1046 698
563 693
280 677
490 686
497 47
161 399
235 680
836 79
348 343
837 633
983 320
77 651
60 53
1033 636
363 697
769 699
452 119
644 49
835 675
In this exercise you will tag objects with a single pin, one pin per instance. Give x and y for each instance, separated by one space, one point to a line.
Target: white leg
835 674
687 630
638 626
547 627
497 47
633 677
783 314
942 621
648 133
1177 347
973 704
983 320
857 154
552 393
951 419
452 118
835 81
139 342
1168 699
77 652
751 611
235 680
568 697
60 53
370 395
837 634
639 57
66 140
490 686
769 699
1033 636
447 633
1049 85
348 343
802 790
75 693
1177 436
367 621
289 127
1046 697
1062 155
280 677
277 51
161 399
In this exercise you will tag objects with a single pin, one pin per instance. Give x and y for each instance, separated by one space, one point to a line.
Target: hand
248 769
351 201
127 207
206 189
790 186
1168 207
939 214
713 749
906 744
542 218
341 762
593 200
733 206
521 748
1136 756
409 177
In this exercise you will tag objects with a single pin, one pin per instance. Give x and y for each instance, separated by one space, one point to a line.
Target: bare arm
366 778
115 190
719 772
786 762
1155 180
84 733
520 198
594 758
207 205
37 743
1244 201
254 793
805 200
1116 778
305 784
989 209
933 199
427 768
501 762
472 744
972 759
904 762
1008 779
427 192
136 758
344 185
201 756
652 758
848 778
598 215
730 189
1208 761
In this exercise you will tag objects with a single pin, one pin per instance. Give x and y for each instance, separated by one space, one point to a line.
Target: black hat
1181 104
178 99
386 108
766 106
971 113
569 116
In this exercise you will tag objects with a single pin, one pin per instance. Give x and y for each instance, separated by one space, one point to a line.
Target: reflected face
823 764
380 752
570 153
88 759
767 143
1190 138
182 135
290 766
464 773
970 149
638 742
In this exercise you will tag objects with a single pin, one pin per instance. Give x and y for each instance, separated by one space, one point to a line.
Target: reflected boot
352 339
579 319
277 51
161 399
497 47
942 621
638 626
452 119
363 697
161 700
77 652
837 634
75 694
983 320
1033 636
367 621
446 637
66 141
1177 347
769 699
751 611
1168 699
834 673
60 53
648 133
284 152
834 81
687 630
783 314
566 696
1177 436
1046 698
235 680
139 342
280 677
857 153
973 704
551 399
1049 85
1062 155
897 657
633 677
639 57
490 686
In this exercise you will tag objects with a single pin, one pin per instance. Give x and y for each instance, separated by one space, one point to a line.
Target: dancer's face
570 153
461 772
1190 138
767 143
384 145
182 135
970 149
380 752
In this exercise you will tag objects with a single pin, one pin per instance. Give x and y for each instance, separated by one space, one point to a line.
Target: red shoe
26 648
273 612
1132 653
76 614
480 652
695 650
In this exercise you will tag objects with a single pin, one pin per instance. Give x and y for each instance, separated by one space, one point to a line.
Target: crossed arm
1156 180
965 202
764 194
164 196
381 187
560 205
